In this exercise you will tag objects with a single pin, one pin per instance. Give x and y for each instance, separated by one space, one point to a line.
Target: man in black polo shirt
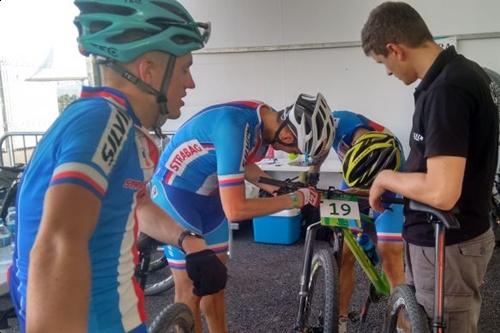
452 160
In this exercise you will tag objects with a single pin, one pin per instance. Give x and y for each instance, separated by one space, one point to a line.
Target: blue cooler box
278 228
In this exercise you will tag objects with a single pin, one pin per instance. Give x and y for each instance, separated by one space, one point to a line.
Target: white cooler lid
287 212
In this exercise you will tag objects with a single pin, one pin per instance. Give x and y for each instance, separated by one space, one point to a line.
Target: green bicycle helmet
371 153
124 30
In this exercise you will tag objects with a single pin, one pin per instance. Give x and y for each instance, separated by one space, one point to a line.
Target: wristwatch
183 235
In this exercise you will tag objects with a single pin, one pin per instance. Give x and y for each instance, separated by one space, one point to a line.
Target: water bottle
5 248
11 220
369 247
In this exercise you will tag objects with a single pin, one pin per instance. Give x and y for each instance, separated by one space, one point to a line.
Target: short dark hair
393 22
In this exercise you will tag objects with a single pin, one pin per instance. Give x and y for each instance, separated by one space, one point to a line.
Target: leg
203 215
465 267
392 261
390 243
213 307
184 294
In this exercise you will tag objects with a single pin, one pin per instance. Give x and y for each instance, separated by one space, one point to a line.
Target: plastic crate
279 228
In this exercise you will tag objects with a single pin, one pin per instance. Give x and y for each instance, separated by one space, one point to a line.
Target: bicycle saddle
448 218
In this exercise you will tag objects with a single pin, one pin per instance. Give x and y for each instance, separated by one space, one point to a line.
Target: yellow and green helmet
123 30
371 153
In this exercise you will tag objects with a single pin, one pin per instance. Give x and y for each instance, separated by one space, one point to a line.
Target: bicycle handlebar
18 168
289 185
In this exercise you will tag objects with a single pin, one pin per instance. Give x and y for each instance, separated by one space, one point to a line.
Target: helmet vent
130 35
92 8
182 39
319 123
172 9
97 26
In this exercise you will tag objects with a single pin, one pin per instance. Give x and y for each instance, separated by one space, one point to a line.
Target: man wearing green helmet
83 194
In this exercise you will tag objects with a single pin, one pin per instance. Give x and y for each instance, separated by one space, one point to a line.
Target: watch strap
183 235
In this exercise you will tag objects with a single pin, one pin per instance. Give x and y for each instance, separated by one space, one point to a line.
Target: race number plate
338 212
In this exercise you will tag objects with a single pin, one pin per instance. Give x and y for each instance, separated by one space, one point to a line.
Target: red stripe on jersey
79 175
141 309
104 94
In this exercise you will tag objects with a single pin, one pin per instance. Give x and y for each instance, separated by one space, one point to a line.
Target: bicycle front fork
306 274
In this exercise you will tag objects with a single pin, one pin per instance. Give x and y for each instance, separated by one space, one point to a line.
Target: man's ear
145 69
397 50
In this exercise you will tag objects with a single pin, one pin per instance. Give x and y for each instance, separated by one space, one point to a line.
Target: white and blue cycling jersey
389 223
210 151
212 148
96 143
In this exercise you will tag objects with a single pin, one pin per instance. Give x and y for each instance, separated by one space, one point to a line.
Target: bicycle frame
377 278
342 234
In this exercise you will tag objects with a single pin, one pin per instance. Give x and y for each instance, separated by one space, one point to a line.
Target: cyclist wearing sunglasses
201 174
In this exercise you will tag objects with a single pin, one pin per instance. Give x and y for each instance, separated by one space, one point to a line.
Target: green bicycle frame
377 278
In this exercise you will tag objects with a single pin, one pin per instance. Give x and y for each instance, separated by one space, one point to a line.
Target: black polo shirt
455 115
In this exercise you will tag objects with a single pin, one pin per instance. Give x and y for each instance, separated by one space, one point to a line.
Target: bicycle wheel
159 287
157 264
176 318
404 314
322 302
159 276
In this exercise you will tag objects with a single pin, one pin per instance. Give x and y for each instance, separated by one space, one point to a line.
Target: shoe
343 324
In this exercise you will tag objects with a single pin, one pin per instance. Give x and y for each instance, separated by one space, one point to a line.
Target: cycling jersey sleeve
232 145
91 142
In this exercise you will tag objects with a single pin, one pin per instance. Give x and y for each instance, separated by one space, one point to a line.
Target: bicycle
337 208
176 317
9 181
403 300
151 260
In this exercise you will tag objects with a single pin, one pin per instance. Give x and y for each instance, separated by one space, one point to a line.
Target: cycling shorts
198 213
388 225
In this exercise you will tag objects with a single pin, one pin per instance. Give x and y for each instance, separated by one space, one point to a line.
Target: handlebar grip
397 201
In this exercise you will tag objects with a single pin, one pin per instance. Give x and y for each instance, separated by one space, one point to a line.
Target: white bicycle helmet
311 122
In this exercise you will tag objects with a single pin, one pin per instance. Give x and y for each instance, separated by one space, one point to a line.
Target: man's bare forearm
154 222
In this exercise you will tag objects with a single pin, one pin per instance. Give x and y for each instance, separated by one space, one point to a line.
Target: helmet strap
276 138
160 95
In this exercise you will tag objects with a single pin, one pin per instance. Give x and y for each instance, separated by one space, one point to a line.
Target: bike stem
438 323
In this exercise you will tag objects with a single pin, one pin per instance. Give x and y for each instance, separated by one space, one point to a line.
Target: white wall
347 78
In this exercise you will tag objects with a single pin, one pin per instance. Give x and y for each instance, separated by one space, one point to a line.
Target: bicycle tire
324 263
176 317
159 287
157 264
403 299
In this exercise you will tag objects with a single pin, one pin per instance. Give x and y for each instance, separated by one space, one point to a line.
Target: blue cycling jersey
212 148
346 124
388 224
97 143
